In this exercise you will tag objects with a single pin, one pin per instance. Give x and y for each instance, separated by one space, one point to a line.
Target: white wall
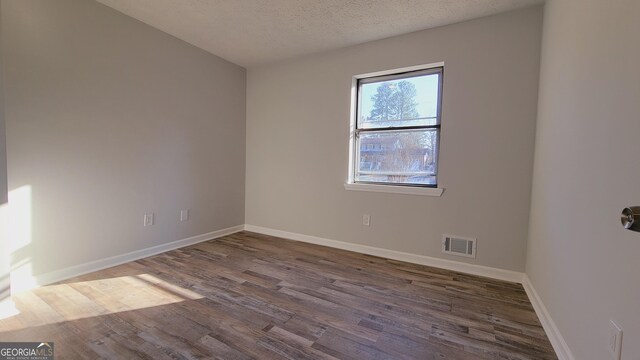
581 261
298 132
3 147
108 118
4 256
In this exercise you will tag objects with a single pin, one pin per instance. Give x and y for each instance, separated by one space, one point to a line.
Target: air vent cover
458 245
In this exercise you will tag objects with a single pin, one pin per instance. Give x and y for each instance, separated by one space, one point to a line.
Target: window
397 128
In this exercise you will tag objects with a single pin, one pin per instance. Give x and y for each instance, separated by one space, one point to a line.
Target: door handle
630 218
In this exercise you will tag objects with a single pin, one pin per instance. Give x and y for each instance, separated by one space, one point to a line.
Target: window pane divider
403 128
406 119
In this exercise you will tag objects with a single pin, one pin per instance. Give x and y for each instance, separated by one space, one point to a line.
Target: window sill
392 189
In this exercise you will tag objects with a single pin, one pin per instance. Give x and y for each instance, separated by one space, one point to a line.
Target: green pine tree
404 100
383 103
394 101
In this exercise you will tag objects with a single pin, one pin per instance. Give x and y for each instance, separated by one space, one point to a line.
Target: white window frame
387 188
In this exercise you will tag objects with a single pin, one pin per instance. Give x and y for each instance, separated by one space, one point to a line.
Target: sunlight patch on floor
84 299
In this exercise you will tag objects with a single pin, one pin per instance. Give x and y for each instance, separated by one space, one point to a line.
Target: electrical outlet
615 340
184 215
366 220
148 219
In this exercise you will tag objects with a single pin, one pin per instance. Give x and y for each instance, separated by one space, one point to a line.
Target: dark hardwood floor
251 296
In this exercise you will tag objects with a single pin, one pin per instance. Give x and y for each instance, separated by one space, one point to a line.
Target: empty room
330 179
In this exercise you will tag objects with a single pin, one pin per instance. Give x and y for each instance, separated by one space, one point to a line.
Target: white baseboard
22 283
557 341
495 273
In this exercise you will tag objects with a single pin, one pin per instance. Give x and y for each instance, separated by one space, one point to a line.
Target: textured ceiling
254 32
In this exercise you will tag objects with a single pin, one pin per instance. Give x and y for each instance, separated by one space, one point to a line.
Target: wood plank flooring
251 296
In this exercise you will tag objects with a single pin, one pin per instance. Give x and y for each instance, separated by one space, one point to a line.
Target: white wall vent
458 245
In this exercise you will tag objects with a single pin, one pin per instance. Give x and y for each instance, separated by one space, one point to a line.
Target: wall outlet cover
148 219
615 340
